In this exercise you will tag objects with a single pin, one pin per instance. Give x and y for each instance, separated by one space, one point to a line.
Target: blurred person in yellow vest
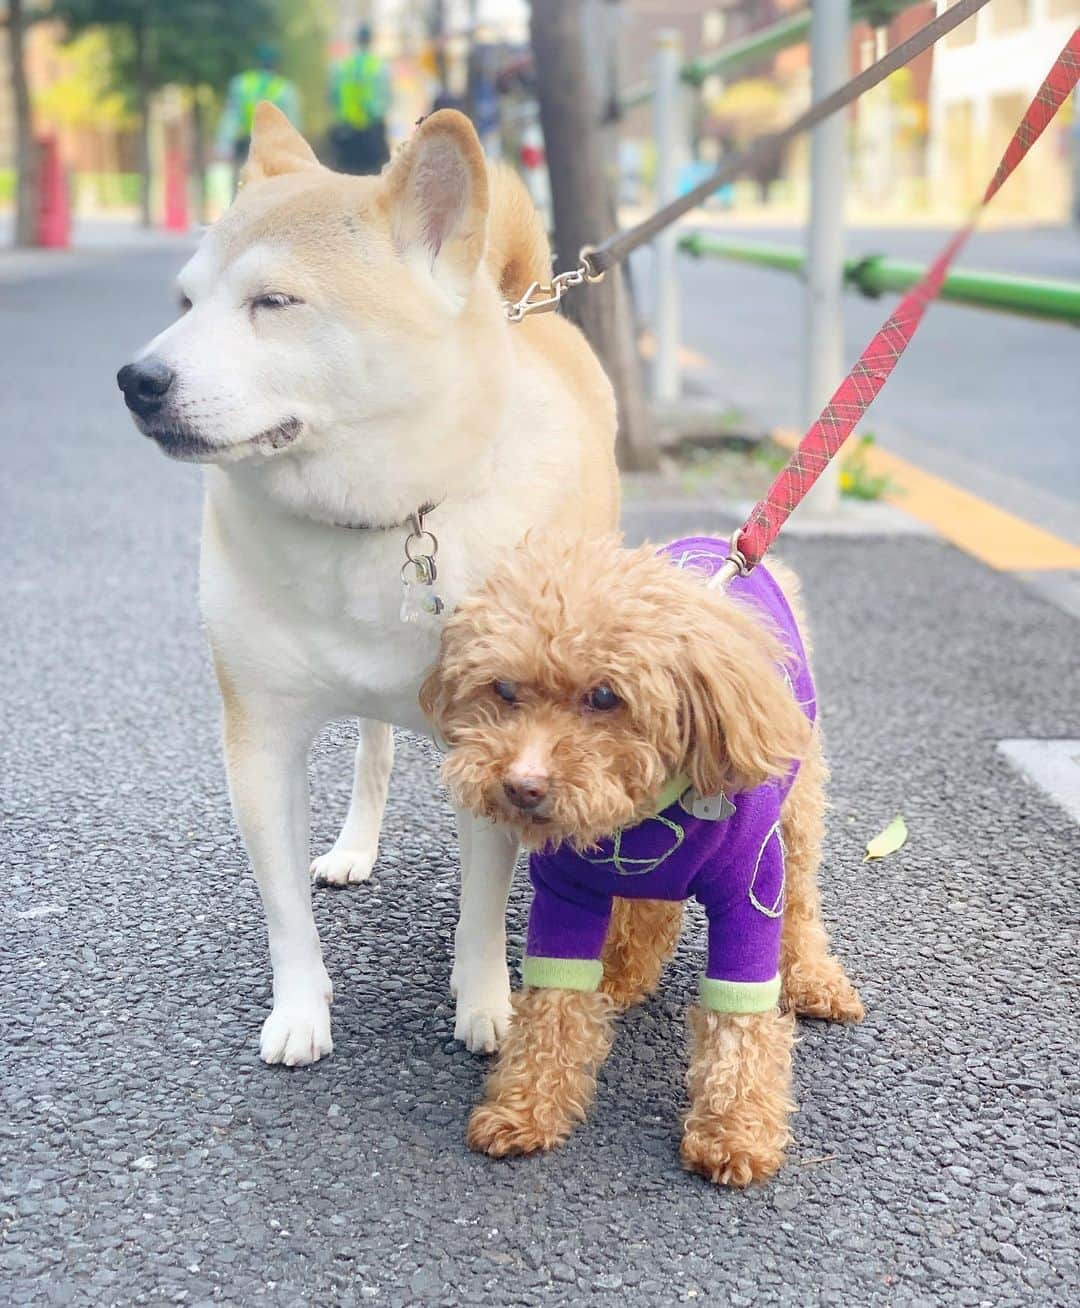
359 100
246 89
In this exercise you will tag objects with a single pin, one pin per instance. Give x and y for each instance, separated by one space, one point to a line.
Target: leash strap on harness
860 388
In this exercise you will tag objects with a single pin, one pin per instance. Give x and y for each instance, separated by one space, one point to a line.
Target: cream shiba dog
344 359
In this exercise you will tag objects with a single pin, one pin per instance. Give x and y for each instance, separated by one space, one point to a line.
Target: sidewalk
89 237
147 1156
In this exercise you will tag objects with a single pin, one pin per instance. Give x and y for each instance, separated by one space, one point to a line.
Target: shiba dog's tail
518 253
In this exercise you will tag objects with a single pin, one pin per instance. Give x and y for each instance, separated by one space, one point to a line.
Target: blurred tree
584 210
155 43
25 150
304 28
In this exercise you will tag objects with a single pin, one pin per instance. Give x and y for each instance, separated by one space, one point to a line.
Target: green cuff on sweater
562 973
739 996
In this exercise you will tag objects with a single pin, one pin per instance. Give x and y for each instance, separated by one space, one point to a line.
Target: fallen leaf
889 841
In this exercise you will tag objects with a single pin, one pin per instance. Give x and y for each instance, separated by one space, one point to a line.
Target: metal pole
666 384
823 339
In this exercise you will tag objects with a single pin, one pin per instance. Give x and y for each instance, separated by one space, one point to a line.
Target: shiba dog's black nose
145 384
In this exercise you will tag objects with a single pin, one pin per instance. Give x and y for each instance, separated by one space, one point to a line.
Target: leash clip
735 565
545 297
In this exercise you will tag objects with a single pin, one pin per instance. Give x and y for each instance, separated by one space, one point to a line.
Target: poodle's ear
437 196
276 146
739 721
435 698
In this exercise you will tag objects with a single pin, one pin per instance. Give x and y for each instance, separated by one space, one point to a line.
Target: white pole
666 385
823 341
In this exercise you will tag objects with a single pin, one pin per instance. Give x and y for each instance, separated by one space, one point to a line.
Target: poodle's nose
526 790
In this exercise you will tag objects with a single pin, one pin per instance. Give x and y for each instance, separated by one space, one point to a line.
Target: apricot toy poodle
648 738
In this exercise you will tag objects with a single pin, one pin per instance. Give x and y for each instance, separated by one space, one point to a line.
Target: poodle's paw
343 867
824 992
501 1132
724 1162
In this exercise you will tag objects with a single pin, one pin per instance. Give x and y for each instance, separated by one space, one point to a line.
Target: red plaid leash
860 388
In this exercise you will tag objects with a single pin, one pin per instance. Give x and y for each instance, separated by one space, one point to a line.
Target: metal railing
791 30
877 274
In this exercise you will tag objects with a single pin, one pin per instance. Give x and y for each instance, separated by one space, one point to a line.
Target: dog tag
711 808
420 604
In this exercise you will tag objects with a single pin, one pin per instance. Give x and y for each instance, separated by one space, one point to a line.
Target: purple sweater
733 865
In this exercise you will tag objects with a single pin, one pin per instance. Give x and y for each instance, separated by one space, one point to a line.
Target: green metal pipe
758 45
789 31
1033 297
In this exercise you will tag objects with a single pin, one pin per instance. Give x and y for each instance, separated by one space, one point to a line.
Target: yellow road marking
1000 539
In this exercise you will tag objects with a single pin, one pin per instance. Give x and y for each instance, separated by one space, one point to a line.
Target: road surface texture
985 400
146 1156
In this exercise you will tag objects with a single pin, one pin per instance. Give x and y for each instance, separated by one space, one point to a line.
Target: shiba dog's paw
483 1011
297 1032
481 1030
343 867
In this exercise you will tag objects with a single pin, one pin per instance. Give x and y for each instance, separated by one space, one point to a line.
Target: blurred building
985 75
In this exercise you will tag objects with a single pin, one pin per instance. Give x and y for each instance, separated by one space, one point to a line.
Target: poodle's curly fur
699 691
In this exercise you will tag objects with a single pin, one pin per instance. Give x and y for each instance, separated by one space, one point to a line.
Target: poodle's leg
545 1077
641 938
813 980
740 1095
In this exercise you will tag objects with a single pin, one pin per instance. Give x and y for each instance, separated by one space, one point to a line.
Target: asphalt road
146 1156
986 400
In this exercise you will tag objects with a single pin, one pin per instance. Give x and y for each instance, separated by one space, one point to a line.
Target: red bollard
176 198
54 205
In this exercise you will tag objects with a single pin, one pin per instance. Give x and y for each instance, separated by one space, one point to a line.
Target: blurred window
1008 15
964 34
713 23
1062 9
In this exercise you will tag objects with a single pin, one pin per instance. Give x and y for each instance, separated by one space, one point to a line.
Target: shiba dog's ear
436 190
276 146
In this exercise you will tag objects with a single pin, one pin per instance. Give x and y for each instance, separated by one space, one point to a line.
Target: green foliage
856 479
196 43
303 33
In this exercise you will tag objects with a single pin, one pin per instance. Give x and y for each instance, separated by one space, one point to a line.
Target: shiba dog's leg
480 980
814 981
357 847
266 748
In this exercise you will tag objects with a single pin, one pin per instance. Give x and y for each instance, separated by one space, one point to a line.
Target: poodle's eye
602 698
506 690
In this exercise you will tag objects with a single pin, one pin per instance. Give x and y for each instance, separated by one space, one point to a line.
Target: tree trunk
584 212
198 157
142 105
26 154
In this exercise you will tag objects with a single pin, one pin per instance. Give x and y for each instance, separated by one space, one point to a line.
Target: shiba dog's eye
274 300
602 698
506 690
